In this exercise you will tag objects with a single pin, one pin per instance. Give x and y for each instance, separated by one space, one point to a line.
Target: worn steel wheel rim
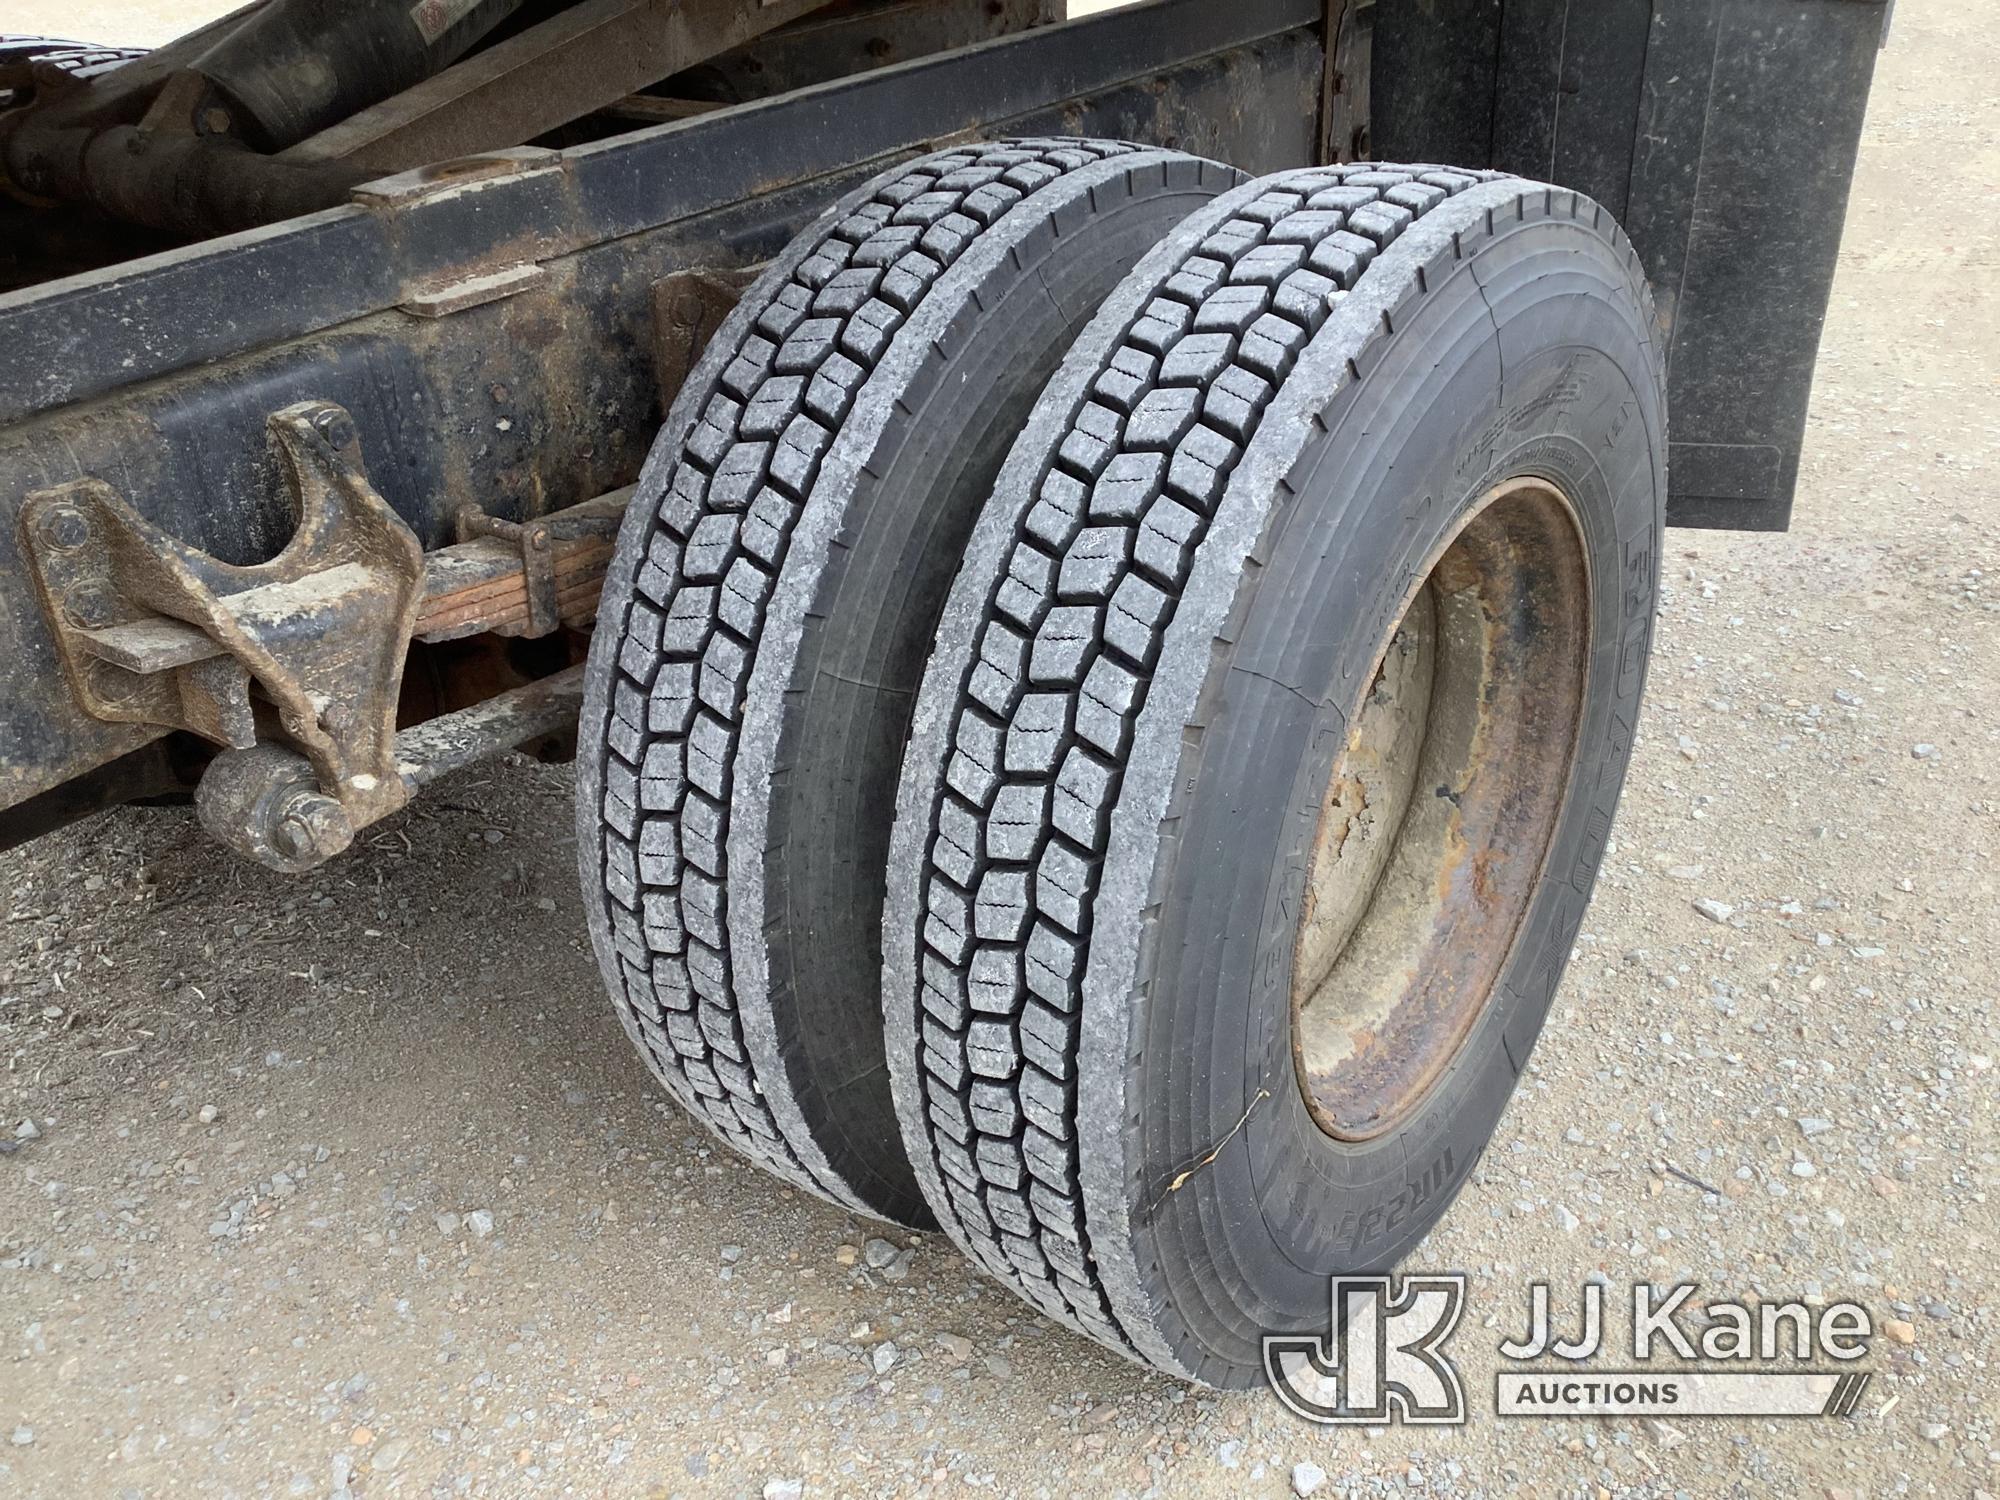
1437 818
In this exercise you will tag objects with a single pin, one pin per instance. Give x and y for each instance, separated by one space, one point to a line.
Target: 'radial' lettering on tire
1260 776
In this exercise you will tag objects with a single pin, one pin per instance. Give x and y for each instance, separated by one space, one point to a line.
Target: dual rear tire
1246 737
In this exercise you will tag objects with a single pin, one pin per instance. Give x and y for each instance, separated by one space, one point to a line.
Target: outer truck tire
1262 772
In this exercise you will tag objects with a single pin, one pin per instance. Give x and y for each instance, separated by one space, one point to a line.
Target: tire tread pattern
1036 741
680 650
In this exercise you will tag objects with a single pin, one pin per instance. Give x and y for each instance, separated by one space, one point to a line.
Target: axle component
534 544
294 666
266 803
153 631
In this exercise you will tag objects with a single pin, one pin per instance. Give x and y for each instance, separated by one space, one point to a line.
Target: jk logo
1381 1360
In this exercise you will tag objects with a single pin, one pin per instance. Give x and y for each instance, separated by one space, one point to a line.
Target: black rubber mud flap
772 601
1288 417
1722 134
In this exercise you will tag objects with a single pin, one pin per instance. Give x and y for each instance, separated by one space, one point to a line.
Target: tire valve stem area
1413 901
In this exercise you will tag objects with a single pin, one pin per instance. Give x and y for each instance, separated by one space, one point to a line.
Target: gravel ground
340 1184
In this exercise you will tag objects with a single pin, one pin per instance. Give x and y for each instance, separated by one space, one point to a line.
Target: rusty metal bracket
538 563
688 307
321 629
294 666
536 541
1335 133
481 585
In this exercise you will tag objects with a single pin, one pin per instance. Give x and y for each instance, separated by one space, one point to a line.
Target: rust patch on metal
1468 732
321 629
294 666
483 583
688 307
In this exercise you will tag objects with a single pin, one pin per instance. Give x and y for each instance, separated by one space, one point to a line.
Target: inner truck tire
770 606
1262 772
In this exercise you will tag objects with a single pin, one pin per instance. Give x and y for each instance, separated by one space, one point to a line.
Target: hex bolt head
334 425
311 827
64 527
292 837
90 607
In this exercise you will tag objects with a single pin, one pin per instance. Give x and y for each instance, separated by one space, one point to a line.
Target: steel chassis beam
578 60
493 327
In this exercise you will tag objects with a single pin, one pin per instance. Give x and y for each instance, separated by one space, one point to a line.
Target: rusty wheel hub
1438 817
